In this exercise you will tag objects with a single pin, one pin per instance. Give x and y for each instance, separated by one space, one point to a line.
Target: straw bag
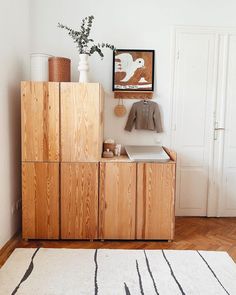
120 109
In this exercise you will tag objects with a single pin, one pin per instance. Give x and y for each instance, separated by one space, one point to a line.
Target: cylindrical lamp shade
59 69
39 66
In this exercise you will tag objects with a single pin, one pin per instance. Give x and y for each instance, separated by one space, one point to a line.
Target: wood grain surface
81 122
79 200
172 154
40 121
40 200
117 203
133 95
155 201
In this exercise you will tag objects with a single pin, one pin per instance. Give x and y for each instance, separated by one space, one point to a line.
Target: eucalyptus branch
81 38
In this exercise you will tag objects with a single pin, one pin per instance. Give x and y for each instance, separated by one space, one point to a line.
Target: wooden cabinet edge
171 153
101 199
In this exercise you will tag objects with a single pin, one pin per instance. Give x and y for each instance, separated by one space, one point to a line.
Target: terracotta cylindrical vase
59 69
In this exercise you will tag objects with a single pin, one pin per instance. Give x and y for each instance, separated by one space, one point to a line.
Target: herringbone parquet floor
191 233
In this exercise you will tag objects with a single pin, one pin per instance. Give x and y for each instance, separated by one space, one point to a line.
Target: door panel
193 119
155 201
79 200
40 200
117 200
40 121
81 122
190 179
227 199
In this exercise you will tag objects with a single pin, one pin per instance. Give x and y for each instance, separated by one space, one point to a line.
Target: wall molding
8 248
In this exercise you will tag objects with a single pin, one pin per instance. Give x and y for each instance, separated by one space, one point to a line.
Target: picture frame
133 70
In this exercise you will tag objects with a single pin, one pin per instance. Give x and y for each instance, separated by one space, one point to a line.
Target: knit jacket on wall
145 115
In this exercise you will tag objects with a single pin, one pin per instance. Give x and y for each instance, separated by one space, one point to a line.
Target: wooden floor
192 233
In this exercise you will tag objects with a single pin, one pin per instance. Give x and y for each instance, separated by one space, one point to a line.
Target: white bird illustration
128 65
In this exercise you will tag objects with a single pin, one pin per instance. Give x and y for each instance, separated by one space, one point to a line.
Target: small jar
107 154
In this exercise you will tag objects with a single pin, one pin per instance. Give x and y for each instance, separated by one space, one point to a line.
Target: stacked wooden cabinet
69 192
61 146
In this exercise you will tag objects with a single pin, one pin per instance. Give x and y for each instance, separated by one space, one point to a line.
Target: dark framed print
133 70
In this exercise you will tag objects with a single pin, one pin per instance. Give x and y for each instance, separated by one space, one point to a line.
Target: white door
204 121
193 120
227 135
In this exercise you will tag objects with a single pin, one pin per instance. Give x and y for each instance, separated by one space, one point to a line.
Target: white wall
126 24
14 49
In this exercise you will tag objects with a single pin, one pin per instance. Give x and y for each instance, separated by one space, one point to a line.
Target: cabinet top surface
126 159
29 81
122 158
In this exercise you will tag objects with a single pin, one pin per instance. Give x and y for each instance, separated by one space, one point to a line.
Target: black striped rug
117 272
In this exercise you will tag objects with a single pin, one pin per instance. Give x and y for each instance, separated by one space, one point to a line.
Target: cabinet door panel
81 122
40 200
155 201
79 200
40 121
117 200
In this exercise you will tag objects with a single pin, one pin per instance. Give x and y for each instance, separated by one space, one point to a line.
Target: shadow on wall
14 117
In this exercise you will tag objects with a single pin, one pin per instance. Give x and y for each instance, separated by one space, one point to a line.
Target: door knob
219 128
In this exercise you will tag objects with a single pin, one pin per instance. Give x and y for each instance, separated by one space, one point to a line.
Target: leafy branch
81 38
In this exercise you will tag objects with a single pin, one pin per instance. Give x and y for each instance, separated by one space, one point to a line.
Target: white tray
147 153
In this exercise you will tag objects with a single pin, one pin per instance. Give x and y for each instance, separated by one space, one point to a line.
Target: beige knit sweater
145 115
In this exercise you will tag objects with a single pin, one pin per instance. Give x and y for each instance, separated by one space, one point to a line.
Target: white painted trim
212 194
172 82
221 110
206 29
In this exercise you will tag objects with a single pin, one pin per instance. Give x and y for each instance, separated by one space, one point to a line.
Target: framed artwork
133 70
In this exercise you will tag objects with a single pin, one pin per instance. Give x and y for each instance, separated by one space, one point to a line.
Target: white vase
83 68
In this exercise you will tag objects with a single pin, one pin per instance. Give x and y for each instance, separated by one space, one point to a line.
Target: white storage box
39 66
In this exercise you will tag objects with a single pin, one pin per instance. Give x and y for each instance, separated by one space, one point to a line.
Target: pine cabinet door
155 201
81 122
79 200
40 200
117 200
40 121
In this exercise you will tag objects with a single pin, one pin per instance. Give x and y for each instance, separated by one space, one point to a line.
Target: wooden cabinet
40 199
155 200
117 200
61 122
40 121
68 191
81 122
79 200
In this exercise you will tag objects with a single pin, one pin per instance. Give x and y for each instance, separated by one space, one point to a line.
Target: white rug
117 272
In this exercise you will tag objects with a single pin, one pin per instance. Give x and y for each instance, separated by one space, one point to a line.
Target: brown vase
59 69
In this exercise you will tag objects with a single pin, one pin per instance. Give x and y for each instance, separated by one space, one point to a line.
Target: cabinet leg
102 240
91 240
169 241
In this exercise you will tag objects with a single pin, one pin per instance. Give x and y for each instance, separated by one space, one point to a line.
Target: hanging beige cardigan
145 115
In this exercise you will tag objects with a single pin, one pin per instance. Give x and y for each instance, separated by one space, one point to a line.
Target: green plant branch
81 38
